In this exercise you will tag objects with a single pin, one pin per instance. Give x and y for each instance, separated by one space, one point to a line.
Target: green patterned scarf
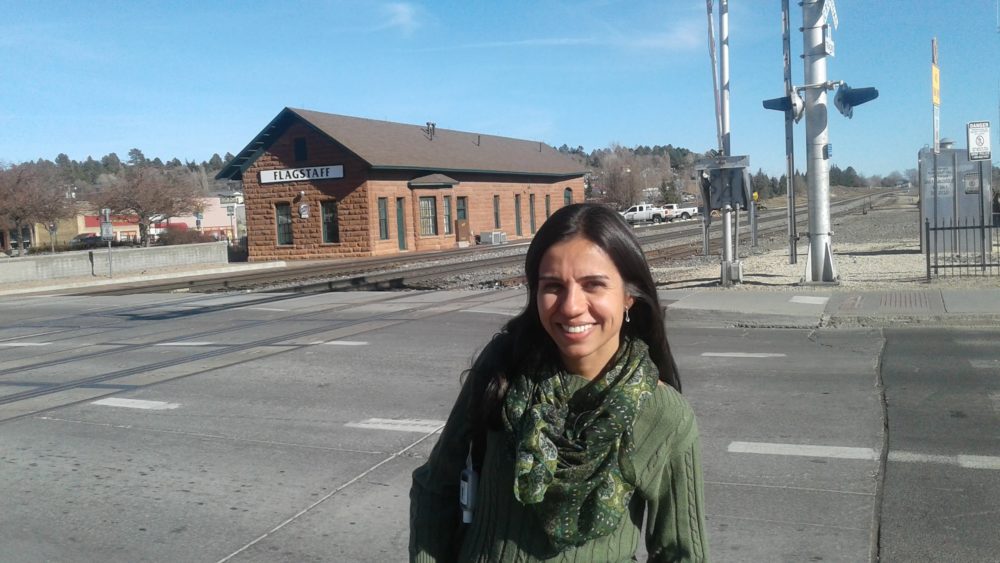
572 453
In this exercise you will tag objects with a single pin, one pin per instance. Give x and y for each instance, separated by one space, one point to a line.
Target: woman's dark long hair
523 345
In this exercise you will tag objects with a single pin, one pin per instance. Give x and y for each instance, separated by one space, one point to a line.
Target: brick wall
350 193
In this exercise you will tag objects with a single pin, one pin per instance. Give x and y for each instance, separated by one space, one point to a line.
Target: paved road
942 480
285 427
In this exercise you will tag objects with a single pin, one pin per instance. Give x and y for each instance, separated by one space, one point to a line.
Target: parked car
644 212
675 211
85 240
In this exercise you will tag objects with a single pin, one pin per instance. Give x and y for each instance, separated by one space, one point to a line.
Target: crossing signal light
848 97
792 103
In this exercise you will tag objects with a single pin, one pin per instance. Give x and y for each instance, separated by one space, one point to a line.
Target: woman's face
581 303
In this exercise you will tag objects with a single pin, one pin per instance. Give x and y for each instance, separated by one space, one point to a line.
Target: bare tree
149 195
622 187
29 195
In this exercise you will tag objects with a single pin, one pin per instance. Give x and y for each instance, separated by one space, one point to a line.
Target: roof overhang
432 181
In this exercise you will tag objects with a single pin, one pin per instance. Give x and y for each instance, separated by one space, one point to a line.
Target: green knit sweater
667 503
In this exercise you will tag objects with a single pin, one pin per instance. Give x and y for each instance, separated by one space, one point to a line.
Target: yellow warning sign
935 85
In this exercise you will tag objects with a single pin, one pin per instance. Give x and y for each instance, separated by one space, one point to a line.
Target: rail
962 248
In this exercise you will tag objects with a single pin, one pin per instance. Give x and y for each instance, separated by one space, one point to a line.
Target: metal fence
962 248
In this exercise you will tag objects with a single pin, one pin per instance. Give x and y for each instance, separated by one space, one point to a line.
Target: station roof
386 145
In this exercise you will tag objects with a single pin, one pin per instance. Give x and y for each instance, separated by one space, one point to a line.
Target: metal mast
820 267
727 210
793 235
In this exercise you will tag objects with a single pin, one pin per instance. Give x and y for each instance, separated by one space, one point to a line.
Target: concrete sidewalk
818 308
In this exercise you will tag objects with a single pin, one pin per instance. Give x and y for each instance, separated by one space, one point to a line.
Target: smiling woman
570 426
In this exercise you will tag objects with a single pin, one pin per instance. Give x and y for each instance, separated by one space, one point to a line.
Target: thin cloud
684 36
548 42
402 16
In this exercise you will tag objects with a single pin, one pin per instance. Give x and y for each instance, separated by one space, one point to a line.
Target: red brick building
318 185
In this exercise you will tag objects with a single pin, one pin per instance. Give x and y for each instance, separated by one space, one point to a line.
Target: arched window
567 196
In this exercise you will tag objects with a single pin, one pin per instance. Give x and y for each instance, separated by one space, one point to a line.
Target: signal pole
793 235
731 269
820 268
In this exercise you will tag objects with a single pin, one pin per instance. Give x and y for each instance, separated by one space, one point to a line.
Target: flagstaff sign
300 174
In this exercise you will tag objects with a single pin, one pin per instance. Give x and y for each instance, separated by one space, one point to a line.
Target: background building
318 185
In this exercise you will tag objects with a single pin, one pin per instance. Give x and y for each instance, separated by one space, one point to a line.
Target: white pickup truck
645 212
675 211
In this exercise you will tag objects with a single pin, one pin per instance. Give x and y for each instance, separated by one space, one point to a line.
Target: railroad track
664 242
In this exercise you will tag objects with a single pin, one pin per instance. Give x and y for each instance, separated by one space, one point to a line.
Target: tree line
143 190
151 190
623 176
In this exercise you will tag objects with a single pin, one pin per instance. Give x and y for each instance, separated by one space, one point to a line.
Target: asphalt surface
942 480
284 427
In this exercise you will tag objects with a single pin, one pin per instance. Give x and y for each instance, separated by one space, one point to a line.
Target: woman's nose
574 301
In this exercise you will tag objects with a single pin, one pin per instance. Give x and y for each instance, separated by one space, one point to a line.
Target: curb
142 278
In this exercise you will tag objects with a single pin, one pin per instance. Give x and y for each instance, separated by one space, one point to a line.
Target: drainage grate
906 301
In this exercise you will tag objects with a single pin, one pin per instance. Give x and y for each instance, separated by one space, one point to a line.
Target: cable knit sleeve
673 488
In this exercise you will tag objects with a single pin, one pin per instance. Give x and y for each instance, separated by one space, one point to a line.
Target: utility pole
820 268
730 268
817 44
793 235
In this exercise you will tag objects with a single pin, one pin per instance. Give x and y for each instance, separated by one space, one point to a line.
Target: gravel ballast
874 248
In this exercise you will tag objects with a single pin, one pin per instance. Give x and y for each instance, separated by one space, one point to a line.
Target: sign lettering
302 174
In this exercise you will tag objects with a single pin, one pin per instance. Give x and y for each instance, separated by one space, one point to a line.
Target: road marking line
913 457
974 342
398 425
345 343
843 452
264 309
136 404
186 344
964 461
741 355
979 461
490 312
809 300
985 364
22 344
803 450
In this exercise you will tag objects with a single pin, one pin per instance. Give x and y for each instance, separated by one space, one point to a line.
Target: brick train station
318 185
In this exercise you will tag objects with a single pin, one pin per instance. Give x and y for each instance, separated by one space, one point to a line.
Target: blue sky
188 79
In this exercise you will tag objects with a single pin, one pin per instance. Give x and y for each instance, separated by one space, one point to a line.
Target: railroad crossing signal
848 97
792 103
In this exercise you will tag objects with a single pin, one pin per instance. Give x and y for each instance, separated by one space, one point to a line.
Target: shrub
182 235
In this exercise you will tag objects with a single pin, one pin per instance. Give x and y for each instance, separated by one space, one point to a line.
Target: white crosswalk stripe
398 425
966 461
